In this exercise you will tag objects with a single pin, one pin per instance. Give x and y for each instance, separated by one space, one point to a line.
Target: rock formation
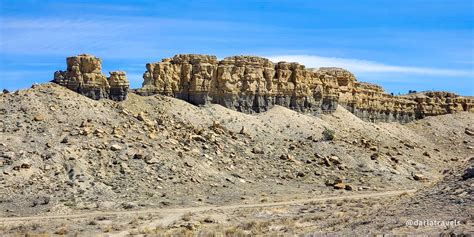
254 84
432 103
118 85
84 75
370 102
244 83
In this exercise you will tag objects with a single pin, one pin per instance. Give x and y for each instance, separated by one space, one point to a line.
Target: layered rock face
434 103
118 85
370 102
244 83
254 84
84 75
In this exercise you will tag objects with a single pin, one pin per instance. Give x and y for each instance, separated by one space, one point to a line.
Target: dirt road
170 214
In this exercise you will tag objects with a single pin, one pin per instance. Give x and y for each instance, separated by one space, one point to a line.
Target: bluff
370 102
432 103
84 75
253 84
243 83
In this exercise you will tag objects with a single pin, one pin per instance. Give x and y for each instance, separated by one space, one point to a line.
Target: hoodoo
84 75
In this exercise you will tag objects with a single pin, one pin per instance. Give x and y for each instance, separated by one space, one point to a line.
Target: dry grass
312 218
107 229
255 226
187 216
62 230
235 231
110 228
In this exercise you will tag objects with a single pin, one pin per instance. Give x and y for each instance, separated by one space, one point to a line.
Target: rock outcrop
254 84
84 75
432 103
370 102
244 83
118 85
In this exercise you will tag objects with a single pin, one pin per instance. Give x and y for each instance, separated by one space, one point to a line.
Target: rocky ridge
243 83
371 103
432 103
254 84
84 75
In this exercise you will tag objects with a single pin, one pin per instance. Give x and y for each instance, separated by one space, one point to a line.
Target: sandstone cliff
244 83
370 102
432 103
254 84
118 85
84 75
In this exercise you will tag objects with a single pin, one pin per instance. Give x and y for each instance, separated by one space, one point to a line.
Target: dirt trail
174 213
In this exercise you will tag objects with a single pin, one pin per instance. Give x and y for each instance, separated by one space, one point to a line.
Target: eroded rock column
84 76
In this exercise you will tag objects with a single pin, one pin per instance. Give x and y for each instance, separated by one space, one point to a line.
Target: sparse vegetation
187 216
195 163
62 230
329 134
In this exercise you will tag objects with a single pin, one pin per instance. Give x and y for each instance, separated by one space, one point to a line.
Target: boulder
258 150
115 147
419 177
38 117
349 187
468 174
339 186
335 160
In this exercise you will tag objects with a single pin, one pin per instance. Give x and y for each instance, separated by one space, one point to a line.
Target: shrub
329 134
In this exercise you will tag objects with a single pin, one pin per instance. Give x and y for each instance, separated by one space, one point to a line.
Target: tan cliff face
434 103
118 85
370 102
253 84
244 83
84 75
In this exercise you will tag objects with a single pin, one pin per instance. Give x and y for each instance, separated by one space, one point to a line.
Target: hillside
63 153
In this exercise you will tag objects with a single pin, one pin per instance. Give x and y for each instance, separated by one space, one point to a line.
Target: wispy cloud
365 66
98 7
115 37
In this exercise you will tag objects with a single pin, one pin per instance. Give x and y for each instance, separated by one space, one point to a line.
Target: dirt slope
62 153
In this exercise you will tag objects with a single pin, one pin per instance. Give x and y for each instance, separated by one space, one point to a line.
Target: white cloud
98 7
364 66
114 37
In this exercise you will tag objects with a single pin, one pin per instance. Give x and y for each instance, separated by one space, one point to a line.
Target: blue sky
402 45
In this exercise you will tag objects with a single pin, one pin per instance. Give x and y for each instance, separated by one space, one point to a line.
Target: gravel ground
62 153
